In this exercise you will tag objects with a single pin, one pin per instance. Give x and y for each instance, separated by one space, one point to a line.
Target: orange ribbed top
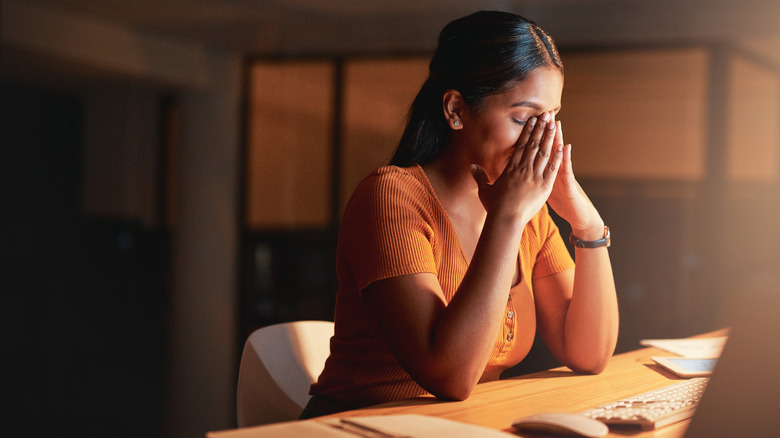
394 225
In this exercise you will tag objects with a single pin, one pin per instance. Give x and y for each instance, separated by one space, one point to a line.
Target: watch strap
605 241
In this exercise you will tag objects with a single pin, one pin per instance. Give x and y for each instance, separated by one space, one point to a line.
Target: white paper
422 426
690 347
402 426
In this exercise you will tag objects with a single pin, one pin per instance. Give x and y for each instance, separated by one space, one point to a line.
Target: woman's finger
566 163
534 140
558 133
522 142
483 185
528 128
552 168
480 176
546 146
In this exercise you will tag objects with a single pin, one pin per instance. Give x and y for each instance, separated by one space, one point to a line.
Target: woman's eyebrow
528 104
532 105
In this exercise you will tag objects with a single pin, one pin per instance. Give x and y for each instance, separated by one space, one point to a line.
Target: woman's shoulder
390 188
389 180
397 174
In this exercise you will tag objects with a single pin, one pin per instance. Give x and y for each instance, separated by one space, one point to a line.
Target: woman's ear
454 107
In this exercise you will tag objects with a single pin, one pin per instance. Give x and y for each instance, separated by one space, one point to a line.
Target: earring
456 123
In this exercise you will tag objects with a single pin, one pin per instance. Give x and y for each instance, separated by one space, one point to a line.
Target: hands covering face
528 178
539 170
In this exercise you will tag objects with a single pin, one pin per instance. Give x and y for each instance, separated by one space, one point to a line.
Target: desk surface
496 404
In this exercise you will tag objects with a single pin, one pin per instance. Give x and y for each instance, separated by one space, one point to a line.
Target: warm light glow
289 145
637 115
754 115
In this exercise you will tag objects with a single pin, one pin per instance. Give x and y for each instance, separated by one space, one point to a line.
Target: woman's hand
569 200
576 310
529 176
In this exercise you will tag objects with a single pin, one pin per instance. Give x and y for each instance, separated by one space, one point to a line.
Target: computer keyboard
653 409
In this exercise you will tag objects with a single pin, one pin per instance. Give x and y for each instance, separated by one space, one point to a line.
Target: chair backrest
278 364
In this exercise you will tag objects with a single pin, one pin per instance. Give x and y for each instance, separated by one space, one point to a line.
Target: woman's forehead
541 89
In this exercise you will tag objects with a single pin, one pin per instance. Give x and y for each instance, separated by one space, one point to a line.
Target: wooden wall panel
378 94
753 147
289 144
637 115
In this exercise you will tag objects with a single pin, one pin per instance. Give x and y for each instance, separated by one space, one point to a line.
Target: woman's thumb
479 175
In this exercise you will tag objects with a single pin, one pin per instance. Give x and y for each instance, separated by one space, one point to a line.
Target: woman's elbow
454 389
593 365
453 392
594 369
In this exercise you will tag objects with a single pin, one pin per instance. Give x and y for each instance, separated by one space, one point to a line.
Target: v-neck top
395 225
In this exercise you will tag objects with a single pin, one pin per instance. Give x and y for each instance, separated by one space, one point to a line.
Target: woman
448 260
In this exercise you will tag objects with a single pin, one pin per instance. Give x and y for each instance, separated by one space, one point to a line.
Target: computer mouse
561 423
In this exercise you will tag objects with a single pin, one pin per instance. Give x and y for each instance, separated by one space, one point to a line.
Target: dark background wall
83 298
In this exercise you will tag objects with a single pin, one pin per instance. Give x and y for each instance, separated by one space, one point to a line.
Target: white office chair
278 365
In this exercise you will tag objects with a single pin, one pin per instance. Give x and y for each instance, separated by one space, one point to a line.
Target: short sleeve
386 229
553 257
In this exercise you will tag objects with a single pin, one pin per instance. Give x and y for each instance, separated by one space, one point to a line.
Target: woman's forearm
467 329
591 324
445 346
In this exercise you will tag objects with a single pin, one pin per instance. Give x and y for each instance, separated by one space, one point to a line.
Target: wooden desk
496 404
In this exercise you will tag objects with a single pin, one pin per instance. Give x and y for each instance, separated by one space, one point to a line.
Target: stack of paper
381 426
700 348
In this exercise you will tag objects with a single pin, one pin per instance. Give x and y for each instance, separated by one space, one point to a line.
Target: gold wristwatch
604 241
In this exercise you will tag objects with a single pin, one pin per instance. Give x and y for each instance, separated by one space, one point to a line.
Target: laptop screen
741 397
